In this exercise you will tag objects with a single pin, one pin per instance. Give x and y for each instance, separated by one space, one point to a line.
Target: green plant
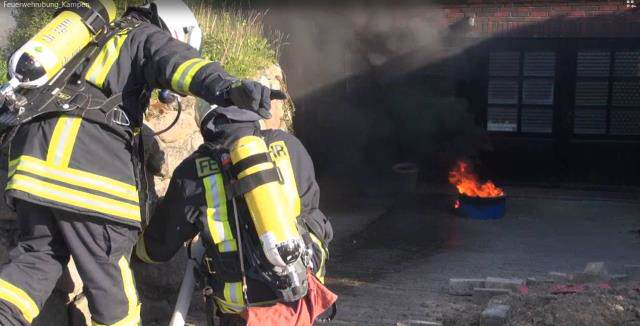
3 69
232 36
235 38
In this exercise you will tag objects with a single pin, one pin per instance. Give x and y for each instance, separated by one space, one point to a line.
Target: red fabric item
302 313
523 289
605 286
568 289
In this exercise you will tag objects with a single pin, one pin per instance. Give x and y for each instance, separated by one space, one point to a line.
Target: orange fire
468 184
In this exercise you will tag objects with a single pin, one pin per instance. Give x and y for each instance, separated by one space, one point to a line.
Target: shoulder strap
119 26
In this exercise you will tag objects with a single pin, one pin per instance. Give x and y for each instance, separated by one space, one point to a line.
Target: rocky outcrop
166 151
281 111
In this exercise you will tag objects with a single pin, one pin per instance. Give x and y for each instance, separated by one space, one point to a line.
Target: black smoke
376 84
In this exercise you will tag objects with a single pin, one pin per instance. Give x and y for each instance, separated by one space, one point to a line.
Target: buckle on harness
207 262
119 117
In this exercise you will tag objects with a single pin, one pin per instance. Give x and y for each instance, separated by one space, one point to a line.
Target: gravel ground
596 307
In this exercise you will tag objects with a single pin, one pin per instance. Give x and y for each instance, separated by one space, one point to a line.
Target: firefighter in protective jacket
75 178
198 201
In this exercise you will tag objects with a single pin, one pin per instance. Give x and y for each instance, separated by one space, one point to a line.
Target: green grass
231 36
235 38
3 70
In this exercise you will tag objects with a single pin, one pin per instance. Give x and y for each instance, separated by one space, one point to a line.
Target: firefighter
197 202
75 177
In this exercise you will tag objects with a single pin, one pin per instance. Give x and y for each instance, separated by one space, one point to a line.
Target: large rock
79 312
70 282
164 152
281 112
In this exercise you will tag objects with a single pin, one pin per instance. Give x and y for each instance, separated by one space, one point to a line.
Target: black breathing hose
167 97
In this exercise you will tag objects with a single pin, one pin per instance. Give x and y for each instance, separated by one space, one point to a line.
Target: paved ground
391 259
400 263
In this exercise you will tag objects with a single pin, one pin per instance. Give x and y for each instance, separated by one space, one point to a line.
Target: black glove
251 95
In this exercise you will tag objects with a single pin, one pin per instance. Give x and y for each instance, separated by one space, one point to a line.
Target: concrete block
560 277
596 268
633 270
464 286
513 284
483 295
539 280
494 315
418 323
619 277
583 277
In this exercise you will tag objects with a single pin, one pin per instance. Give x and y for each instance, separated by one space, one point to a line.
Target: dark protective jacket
69 162
196 202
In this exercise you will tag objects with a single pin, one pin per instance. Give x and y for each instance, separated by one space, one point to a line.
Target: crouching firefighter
75 106
252 196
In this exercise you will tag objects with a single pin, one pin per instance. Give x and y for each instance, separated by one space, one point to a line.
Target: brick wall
605 18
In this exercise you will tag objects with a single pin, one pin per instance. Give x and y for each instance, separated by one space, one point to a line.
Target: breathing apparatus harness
67 92
249 261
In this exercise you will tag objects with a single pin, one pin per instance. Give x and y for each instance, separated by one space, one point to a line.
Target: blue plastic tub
481 208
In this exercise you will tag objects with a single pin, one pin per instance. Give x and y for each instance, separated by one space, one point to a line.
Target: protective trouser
48 237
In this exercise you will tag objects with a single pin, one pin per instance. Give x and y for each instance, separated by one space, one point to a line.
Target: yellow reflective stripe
177 76
73 197
229 308
111 9
233 294
63 140
217 214
133 315
101 66
186 84
323 257
75 177
12 167
228 246
18 298
141 251
133 311
181 80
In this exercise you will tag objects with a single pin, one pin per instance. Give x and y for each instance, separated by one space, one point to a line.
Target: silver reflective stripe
217 219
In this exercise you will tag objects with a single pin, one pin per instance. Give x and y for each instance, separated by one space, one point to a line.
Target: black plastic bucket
407 177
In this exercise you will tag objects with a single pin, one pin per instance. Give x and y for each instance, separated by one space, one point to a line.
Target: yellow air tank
272 214
44 55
